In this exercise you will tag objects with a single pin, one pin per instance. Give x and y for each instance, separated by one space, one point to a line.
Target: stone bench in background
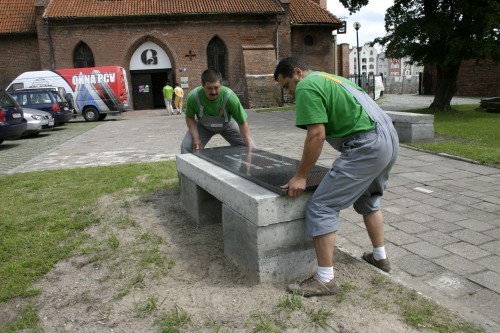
413 127
264 233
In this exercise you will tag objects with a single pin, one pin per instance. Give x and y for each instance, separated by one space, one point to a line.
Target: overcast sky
371 18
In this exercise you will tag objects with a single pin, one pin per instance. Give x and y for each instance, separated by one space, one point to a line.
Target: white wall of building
368 60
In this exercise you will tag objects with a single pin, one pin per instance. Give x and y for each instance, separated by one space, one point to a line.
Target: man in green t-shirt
168 91
218 111
336 110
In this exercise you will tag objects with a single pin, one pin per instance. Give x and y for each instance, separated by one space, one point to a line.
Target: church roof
19 15
91 8
308 12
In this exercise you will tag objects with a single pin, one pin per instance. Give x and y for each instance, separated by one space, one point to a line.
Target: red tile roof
91 8
308 12
17 16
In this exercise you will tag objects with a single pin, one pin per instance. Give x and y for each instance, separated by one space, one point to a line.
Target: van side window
16 86
22 99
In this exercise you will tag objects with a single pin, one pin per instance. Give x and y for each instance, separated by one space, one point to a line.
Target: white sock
379 253
325 274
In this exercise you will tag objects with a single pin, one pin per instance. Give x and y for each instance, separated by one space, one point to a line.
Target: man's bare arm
313 146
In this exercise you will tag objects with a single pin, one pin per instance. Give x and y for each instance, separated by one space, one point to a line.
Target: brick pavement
442 215
17 152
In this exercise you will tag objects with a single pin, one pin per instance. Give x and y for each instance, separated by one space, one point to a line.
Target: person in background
168 91
179 96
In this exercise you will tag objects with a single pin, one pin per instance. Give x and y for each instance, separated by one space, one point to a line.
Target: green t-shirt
168 91
320 100
234 108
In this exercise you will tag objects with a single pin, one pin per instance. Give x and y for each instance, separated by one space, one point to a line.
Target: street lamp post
357 25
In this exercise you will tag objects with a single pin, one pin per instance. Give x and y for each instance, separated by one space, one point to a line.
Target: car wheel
91 114
102 116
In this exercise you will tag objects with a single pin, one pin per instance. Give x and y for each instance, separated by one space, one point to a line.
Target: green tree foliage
442 33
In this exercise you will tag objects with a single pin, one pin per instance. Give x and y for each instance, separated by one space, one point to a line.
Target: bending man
218 111
336 110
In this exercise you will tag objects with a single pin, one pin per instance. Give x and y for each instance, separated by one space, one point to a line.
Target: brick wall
113 43
478 80
284 42
319 55
343 60
259 63
19 54
473 80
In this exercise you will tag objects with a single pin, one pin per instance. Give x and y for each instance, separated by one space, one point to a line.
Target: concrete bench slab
413 127
263 232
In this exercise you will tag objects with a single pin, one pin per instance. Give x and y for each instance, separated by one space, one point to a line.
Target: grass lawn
43 214
468 131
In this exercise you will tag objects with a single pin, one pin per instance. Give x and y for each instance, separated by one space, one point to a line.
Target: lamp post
356 26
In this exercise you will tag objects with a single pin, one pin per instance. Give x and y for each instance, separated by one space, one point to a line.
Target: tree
442 33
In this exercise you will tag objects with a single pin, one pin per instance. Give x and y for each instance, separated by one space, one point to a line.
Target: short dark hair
176 83
210 75
285 67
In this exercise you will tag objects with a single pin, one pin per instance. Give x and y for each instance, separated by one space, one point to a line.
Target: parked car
37 121
12 123
491 104
45 99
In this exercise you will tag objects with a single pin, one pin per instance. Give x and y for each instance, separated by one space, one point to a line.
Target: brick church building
160 41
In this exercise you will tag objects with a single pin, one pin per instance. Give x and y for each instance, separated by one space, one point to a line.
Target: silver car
37 121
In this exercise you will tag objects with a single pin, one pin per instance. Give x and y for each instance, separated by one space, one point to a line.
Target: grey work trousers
358 177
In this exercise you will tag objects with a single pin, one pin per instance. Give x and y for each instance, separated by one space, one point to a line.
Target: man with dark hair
218 111
336 110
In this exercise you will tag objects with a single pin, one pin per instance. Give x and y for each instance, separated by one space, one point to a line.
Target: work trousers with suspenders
208 126
359 176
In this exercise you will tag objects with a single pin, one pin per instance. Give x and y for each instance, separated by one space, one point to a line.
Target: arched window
216 56
83 56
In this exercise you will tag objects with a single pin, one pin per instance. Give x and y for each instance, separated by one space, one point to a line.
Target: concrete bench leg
201 205
278 252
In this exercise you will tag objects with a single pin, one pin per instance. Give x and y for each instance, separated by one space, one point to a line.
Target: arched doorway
150 69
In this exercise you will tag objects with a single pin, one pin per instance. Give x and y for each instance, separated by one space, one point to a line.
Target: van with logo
93 92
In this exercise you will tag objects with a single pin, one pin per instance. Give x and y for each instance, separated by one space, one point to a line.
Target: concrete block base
264 233
278 252
413 127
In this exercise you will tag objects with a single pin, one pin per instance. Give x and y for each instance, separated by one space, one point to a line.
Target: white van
93 92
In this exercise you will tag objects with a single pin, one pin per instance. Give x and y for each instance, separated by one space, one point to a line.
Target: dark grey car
45 99
12 123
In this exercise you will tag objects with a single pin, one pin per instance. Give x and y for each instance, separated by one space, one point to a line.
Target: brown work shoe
312 286
382 264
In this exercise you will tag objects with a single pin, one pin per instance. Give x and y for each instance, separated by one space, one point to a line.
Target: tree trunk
446 85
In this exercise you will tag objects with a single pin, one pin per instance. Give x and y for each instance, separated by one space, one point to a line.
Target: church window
309 40
83 56
216 56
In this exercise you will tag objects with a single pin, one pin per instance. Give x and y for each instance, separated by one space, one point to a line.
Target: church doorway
150 69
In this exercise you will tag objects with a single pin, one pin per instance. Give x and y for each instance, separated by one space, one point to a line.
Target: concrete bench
264 233
413 127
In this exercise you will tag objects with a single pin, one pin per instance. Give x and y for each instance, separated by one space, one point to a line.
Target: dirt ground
148 268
